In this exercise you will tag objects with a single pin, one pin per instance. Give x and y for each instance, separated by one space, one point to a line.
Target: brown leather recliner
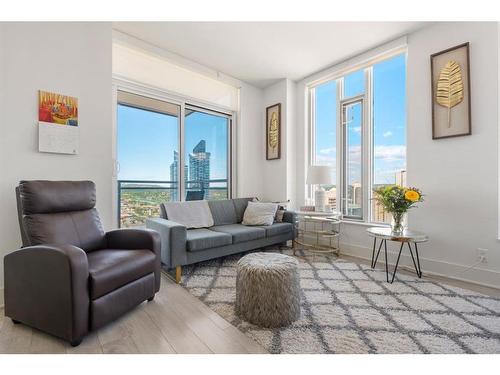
71 277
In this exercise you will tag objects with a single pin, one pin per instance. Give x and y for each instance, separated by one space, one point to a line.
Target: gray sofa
181 246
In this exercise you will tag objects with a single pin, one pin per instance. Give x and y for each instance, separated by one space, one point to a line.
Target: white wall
279 175
458 175
68 58
250 149
291 149
274 171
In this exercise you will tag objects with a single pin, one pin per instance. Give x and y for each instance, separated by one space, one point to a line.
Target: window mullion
367 145
182 156
340 147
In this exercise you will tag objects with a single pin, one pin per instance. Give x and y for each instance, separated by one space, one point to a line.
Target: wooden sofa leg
178 272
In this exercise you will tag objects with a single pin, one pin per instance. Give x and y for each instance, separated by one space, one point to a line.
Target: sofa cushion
223 212
277 228
241 233
201 239
110 269
240 205
258 213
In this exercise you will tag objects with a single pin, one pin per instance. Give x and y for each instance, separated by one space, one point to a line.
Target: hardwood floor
175 322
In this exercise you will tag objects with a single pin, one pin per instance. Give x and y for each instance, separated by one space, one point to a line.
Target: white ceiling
261 53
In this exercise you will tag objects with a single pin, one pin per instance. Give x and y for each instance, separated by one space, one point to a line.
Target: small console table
408 237
322 227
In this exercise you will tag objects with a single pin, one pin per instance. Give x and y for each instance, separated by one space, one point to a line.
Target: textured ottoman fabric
267 289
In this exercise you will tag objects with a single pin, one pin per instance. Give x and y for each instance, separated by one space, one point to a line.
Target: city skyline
197 174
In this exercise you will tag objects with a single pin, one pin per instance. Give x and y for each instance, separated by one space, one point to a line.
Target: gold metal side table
325 239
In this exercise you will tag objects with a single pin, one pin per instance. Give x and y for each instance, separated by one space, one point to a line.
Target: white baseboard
478 276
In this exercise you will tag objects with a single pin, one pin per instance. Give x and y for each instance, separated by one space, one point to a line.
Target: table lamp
319 175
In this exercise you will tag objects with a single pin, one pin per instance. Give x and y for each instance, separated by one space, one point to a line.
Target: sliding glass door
148 156
168 152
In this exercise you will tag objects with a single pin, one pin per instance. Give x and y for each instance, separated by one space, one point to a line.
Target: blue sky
389 116
147 140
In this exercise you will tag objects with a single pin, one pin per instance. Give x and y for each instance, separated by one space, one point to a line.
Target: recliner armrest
46 287
133 239
173 241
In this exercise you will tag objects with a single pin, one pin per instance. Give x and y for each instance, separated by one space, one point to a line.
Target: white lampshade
319 175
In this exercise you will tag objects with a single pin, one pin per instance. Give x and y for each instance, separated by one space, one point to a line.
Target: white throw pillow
192 214
258 213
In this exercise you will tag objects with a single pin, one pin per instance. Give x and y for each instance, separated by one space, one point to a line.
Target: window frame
184 102
367 148
343 156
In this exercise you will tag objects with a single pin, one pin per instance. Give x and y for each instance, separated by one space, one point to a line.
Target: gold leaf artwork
450 87
273 130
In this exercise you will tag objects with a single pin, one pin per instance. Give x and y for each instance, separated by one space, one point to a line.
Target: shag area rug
350 308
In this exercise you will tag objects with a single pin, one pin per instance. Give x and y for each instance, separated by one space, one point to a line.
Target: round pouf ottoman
268 290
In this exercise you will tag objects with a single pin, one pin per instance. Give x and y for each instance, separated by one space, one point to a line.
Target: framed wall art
273 132
450 75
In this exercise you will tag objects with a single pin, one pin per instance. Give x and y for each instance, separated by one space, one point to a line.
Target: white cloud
326 151
325 160
394 153
387 134
390 153
357 129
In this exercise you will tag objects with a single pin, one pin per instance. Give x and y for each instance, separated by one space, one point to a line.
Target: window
352 125
207 155
354 84
389 128
370 141
149 155
325 136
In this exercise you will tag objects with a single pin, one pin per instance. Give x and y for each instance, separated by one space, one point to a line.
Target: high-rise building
173 167
401 177
199 168
331 196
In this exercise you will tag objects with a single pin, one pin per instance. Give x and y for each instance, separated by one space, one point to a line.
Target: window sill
365 224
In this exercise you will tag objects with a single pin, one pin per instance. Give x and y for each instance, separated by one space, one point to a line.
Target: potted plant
397 200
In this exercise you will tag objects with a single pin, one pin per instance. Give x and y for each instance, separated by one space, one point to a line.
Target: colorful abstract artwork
57 109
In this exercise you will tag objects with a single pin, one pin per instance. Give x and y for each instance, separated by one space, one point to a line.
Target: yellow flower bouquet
397 200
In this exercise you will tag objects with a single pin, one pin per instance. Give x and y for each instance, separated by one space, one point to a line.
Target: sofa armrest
138 239
173 241
46 288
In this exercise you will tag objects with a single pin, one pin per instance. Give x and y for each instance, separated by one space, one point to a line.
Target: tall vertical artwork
273 132
57 123
451 92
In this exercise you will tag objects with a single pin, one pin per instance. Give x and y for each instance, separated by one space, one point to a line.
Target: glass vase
398 222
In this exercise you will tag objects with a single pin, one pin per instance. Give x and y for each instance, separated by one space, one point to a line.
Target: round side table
408 237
